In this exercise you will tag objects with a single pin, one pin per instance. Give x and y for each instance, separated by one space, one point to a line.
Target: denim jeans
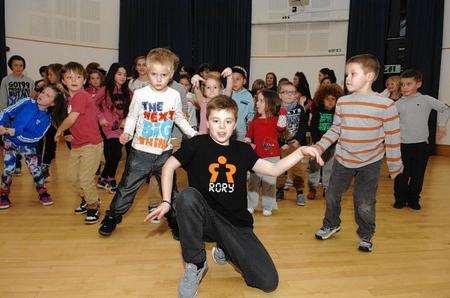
139 164
198 222
364 196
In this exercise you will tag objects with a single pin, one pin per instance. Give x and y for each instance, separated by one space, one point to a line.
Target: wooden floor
49 252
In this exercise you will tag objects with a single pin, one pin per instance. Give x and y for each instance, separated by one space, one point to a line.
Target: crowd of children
237 146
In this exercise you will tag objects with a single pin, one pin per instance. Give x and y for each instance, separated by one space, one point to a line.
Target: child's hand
285 147
158 212
124 138
247 140
103 122
57 135
68 138
253 146
226 72
11 131
195 80
294 143
312 152
302 101
441 132
2 130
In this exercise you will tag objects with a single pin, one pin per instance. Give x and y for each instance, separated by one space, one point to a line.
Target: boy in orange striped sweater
365 126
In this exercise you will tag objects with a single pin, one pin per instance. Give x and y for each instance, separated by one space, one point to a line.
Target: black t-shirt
219 173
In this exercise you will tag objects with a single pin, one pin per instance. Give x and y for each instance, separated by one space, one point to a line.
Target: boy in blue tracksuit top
23 125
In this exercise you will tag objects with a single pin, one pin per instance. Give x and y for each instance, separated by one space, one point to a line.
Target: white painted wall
305 41
59 31
444 84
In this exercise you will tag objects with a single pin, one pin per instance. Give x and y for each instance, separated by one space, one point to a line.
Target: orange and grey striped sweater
365 126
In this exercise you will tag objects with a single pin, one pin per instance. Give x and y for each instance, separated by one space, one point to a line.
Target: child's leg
247 253
421 154
268 189
113 154
73 173
254 185
8 167
90 156
364 199
340 180
401 184
314 174
326 172
138 165
196 221
32 161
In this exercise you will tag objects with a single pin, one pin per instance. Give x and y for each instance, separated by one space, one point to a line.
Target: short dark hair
222 102
368 62
43 69
412 73
16 57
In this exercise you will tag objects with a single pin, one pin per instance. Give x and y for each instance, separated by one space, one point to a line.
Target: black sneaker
82 208
399 205
414 205
280 194
92 216
365 246
109 224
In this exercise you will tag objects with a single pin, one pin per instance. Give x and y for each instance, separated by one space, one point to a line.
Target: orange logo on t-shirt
230 170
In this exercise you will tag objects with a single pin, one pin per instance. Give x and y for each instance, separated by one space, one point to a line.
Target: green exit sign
393 68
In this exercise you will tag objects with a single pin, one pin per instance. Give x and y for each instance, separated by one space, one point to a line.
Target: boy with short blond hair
214 206
366 127
153 111
414 109
87 143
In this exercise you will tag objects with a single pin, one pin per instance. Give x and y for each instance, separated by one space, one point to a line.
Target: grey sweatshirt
414 111
13 89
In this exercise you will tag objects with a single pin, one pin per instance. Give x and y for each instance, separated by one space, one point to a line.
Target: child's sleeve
132 117
332 135
181 121
282 120
300 136
250 132
11 111
442 109
250 109
391 126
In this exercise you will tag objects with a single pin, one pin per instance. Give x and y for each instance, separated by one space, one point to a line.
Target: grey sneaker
191 279
218 256
365 246
301 199
326 232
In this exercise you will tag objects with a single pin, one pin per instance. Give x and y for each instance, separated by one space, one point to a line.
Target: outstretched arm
268 168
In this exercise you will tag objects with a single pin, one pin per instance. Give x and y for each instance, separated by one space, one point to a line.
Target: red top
263 132
85 131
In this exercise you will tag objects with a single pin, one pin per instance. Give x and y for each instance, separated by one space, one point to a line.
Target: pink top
113 112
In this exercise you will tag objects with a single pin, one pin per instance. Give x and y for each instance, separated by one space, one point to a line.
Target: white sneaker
267 212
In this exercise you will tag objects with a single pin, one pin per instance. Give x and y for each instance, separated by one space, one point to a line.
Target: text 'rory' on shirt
151 117
29 122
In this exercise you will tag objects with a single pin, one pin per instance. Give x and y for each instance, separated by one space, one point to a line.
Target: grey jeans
364 196
314 173
139 165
